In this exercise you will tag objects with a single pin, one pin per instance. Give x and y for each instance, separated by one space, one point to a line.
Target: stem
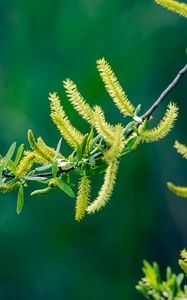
146 115
170 87
163 95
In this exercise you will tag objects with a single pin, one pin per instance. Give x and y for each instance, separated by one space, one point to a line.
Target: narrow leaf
58 149
43 168
11 166
84 143
34 178
19 154
79 152
89 139
66 188
55 168
9 154
1 174
20 200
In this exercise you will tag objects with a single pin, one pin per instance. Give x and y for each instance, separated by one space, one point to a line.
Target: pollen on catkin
114 88
103 128
25 164
82 197
164 127
178 190
8 187
181 149
117 146
43 153
42 192
67 130
106 189
79 103
175 6
184 255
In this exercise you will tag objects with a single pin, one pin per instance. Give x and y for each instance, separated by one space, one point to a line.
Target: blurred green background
44 253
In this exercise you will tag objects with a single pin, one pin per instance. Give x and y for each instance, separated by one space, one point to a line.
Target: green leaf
180 278
96 169
11 166
144 126
34 178
20 200
82 147
95 141
137 110
168 273
9 154
84 143
130 143
43 168
19 154
89 140
66 188
183 265
128 127
58 149
79 152
92 161
1 174
55 168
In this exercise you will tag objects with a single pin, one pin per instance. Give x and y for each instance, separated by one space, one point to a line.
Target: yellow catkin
178 190
103 128
67 130
181 149
42 192
7 187
111 156
114 88
53 182
184 255
50 152
175 6
43 153
164 127
25 164
106 189
117 146
78 101
82 198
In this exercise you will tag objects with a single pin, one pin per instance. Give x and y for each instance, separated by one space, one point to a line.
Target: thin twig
163 95
149 112
145 116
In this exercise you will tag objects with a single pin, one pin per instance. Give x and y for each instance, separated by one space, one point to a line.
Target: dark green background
44 253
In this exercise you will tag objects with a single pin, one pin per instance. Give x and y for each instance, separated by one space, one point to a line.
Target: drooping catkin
164 127
178 190
25 164
82 197
117 146
181 149
106 189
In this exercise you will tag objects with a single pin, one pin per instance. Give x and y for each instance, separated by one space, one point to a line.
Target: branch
145 116
163 95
